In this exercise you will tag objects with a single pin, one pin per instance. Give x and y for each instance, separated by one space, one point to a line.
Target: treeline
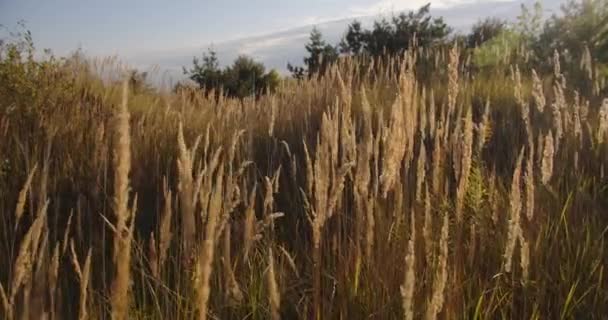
580 32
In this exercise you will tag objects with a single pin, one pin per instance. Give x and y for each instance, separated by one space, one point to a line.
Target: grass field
408 187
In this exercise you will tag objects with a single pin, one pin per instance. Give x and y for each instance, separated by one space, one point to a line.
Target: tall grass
367 192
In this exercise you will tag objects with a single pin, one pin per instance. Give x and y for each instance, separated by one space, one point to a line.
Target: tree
353 40
485 30
320 56
245 77
583 24
380 39
420 25
397 34
207 73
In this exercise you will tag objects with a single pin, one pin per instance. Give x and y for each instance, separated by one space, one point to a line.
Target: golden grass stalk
274 297
409 283
525 257
514 228
441 274
453 85
123 233
602 128
165 234
249 231
546 168
23 195
394 147
420 171
538 93
427 229
465 167
83 278
8 310
24 263
186 190
204 265
529 178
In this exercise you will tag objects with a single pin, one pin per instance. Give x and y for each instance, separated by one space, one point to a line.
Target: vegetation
243 78
410 186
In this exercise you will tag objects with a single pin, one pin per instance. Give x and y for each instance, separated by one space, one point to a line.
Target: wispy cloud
387 7
254 46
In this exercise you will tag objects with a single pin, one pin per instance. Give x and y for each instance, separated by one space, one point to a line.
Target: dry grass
366 193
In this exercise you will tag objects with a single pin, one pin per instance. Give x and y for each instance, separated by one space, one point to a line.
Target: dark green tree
353 40
206 72
395 35
245 77
582 24
320 56
419 25
485 30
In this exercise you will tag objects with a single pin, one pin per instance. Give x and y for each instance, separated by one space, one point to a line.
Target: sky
129 27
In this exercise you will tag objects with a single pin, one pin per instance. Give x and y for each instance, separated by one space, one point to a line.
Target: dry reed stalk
466 161
232 289
514 228
576 119
123 232
546 168
427 229
24 263
165 234
83 279
249 232
529 178
186 189
394 147
420 171
409 283
538 92
437 164
431 116
8 310
524 260
274 297
52 277
204 265
602 128
453 84
557 108
422 115
409 94
441 274
362 179
23 196
66 234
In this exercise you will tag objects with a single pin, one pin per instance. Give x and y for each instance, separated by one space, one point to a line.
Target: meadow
415 186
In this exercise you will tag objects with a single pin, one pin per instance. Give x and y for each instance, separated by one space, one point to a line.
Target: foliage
581 24
395 36
320 56
484 31
243 78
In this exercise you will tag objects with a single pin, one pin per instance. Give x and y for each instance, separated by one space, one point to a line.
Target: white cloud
256 45
388 7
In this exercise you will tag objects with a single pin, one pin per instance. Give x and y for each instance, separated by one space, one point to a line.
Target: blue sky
127 27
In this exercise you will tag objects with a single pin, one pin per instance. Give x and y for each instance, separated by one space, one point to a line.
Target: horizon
102 30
